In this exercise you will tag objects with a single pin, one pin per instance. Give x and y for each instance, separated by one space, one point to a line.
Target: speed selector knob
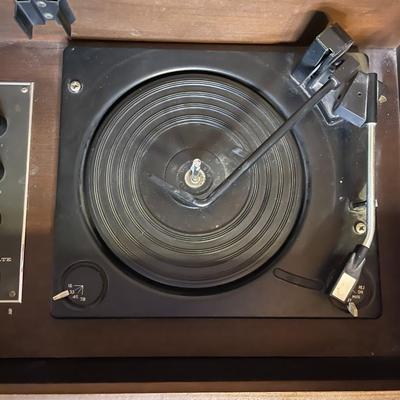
2 170
84 284
3 125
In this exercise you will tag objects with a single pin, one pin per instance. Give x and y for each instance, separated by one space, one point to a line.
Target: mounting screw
24 90
12 293
41 4
75 87
360 228
382 99
48 15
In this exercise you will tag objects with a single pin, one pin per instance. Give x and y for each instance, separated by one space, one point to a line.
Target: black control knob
2 170
3 125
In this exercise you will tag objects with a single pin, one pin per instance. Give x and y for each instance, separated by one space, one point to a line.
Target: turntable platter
159 129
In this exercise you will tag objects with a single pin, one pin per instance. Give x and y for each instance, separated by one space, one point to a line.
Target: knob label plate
16 100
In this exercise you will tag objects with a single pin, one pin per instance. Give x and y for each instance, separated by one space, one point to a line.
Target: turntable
216 181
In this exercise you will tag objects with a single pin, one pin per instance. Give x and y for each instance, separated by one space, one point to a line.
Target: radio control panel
15 131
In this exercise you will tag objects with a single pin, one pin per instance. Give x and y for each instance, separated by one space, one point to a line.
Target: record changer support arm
192 201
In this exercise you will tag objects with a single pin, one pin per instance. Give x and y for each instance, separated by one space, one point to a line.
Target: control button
3 125
86 284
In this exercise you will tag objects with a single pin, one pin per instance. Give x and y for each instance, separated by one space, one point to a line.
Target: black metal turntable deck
146 131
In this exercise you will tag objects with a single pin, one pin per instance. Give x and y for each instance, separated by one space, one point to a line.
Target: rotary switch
84 284
3 125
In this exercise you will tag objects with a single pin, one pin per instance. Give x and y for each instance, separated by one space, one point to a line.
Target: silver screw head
48 15
41 4
360 228
75 86
24 90
382 99
12 293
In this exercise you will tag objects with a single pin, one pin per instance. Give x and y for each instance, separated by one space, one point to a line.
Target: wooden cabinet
375 27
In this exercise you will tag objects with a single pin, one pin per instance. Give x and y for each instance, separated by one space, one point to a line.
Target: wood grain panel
389 395
370 22
31 332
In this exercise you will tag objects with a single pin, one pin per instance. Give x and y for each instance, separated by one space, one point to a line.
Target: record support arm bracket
323 52
29 13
